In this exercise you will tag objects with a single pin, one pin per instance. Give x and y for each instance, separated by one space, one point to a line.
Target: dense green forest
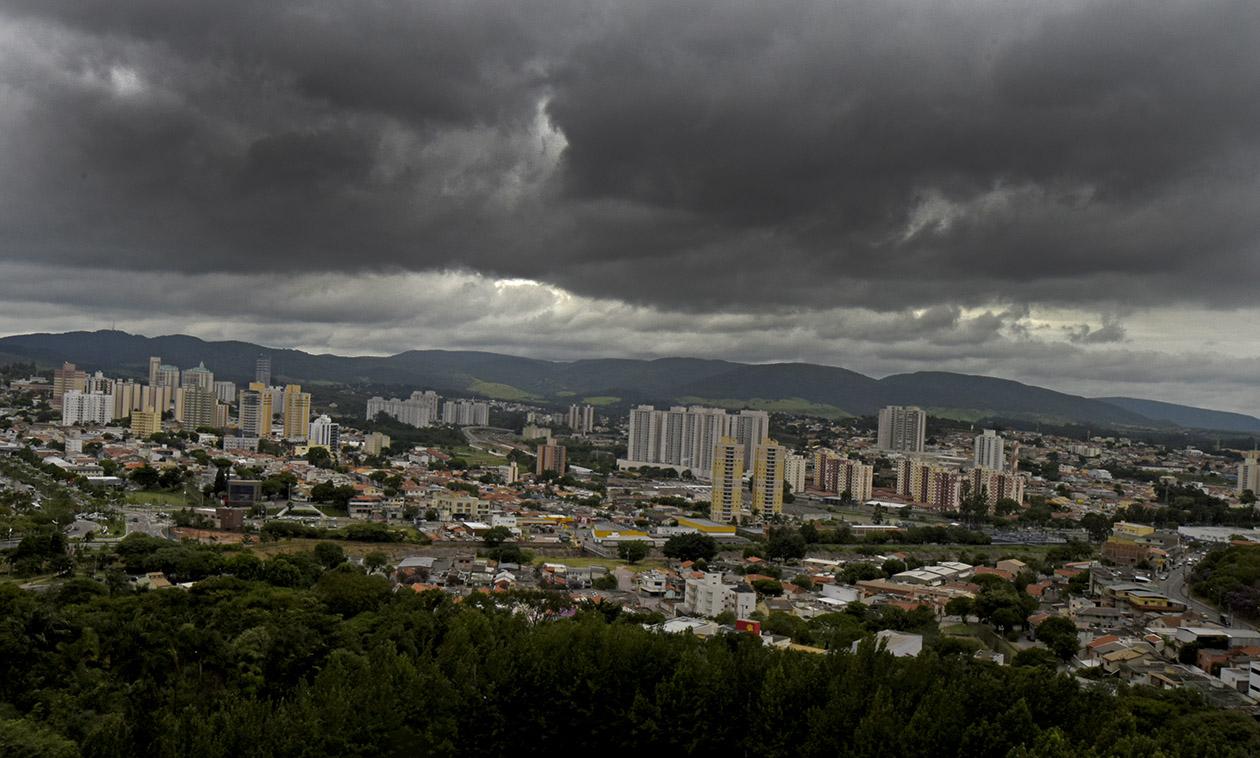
335 663
1230 578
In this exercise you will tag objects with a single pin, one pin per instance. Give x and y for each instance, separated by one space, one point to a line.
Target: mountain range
617 383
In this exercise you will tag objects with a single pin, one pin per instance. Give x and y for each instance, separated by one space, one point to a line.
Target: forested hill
618 383
340 665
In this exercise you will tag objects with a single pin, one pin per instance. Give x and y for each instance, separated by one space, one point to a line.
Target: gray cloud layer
678 153
884 185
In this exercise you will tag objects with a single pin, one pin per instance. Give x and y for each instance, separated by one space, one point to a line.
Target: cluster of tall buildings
258 405
581 419
727 499
938 487
839 475
421 409
685 437
193 397
466 413
944 488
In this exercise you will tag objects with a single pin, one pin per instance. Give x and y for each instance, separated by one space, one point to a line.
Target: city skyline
1018 196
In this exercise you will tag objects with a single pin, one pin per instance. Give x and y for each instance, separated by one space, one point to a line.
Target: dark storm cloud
688 155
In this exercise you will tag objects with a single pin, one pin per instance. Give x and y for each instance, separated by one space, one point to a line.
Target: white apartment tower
419 410
902 428
466 413
78 407
794 472
1249 473
989 451
168 376
581 418
752 429
225 392
200 376
326 432
686 436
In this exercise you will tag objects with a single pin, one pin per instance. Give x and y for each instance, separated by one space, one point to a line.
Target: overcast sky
1064 193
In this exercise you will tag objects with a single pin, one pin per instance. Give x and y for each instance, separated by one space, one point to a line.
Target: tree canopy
289 658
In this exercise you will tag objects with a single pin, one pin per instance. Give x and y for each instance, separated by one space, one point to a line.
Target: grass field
153 497
498 391
600 400
475 457
395 550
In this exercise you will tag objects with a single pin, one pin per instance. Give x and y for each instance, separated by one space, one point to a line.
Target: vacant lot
156 497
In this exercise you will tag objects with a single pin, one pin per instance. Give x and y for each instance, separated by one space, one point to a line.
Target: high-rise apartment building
726 499
100 384
68 378
128 397
420 410
837 475
686 436
944 490
146 423
551 457
78 407
751 428
375 443
254 413
769 464
912 475
581 418
325 432
466 413
794 472
196 407
989 451
1249 473
821 455
996 485
168 376
297 412
937 487
198 377
262 370
225 392
642 445
902 428
158 397
154 362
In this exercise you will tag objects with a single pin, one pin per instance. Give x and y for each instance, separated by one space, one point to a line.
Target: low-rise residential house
652 582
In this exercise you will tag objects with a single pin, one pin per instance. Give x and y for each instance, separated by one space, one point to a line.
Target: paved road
487 437
1175 587
145 523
